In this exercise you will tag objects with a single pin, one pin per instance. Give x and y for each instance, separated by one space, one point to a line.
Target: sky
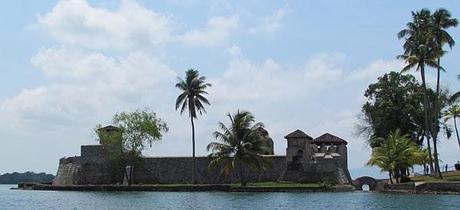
69 65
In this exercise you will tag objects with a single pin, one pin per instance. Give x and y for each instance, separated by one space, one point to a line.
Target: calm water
16 199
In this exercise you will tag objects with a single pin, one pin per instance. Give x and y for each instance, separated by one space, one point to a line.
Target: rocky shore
423 188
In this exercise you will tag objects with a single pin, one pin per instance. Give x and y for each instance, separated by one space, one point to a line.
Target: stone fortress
307 160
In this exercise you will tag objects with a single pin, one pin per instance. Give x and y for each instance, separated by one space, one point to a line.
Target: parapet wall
68 171
174 170
169 170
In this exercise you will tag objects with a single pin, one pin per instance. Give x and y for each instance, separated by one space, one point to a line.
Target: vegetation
453 113
240 145
192 98
423 47
395 155
393 102
284 184
456 95
440 21
138 129
29 176
254 185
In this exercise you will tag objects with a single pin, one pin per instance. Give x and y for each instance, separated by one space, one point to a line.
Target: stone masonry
307 160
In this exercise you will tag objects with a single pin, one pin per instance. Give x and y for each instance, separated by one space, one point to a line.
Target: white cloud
87 84
322 70
271 23
131 26
217 32
54 63
271 81
377 68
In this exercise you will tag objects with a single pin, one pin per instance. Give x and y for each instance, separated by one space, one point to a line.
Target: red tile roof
328 138
298 134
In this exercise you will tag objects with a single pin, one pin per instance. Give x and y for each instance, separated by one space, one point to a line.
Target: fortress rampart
304 162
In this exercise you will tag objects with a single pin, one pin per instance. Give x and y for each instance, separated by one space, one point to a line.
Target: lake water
22 199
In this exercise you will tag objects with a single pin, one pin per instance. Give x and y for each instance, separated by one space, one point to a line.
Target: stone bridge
371 182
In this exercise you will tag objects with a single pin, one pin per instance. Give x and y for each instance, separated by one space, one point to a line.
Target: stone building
323 159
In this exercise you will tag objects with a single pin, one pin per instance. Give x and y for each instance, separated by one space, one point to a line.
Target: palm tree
239 145
419 53
193 88
453 113
395 155
456 95
441 20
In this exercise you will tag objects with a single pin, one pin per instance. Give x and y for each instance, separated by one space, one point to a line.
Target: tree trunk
390 175
437 169
435 124
427 122
456 130
193 152
240 169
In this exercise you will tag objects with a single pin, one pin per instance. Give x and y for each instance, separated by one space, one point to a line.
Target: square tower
299 149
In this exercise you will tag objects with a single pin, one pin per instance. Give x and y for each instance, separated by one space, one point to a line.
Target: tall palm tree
193 88
395 155
419 53
453 113
239 145
441 20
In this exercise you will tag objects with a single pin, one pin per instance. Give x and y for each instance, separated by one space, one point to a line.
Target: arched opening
365 183
365 187
300 153
298 156
297 160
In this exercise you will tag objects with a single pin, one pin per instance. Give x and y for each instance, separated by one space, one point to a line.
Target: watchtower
110 135
299 149
328 144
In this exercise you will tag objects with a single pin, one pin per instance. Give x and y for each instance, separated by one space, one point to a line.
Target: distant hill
29 176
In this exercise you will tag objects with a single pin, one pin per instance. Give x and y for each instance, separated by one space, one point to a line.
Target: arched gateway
359 182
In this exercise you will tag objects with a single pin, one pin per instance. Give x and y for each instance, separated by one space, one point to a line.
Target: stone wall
94 167
68 171
168 170
436 187
450 187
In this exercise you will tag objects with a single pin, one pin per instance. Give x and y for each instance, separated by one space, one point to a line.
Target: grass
285 184
251 185
450 176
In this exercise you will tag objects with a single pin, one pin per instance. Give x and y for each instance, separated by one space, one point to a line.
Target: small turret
268 141
110 135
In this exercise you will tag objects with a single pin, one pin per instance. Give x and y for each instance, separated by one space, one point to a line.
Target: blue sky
69 65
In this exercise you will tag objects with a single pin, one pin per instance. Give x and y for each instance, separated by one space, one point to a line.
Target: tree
393 102
419 52
139 128
240 145
441 20
453 113
456 95
192 98
395 155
